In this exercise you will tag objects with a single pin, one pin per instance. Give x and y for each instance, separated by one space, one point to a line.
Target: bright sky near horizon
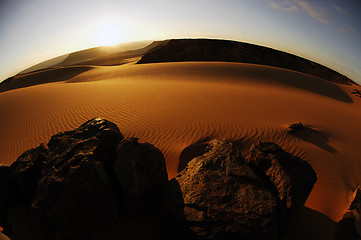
325 31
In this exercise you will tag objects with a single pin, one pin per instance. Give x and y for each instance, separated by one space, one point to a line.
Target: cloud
295 5
339 9
314 11
284 6
348 29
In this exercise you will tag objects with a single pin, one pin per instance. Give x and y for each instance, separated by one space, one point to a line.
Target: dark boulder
290 178
222 198
76 196
67 187
82 185
141 171
96 130
295 127
28 169
219 195
345 228
10 196
349 226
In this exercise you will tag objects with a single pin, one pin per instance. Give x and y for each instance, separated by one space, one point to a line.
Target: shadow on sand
198 149
41 77
315 137
192 151
310 224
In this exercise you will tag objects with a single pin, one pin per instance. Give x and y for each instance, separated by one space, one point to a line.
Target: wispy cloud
314 11
348 29
339 9
283 5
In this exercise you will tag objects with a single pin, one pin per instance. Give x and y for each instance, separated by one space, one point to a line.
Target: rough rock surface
74 187
77 179
349 227
91 182
346 228
10 194
27 170
290 178
141 171
224 198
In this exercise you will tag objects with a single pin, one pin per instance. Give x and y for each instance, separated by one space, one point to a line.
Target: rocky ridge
180 50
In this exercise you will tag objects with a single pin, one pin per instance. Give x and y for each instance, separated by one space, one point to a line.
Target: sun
108 35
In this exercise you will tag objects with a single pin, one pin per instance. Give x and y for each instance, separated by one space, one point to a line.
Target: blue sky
326 31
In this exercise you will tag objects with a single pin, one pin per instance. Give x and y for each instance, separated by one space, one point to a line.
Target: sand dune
221 71
173 105
91 56
42 76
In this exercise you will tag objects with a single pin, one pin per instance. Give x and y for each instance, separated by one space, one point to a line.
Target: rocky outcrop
74 187
223 196
91 182
76 179
346 228
290 178
180 50
10 195
349 227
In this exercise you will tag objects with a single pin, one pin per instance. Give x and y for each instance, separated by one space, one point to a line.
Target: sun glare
108 35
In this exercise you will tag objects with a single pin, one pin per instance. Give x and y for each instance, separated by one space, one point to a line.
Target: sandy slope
173 105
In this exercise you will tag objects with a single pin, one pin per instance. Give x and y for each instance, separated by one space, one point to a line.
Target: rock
96 130
345 228
349 227
68 187
76 195
27 170
81 184
295 127
290 178
356 202
141 171
10 195
222 198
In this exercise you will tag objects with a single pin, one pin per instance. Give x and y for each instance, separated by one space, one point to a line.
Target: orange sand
172 105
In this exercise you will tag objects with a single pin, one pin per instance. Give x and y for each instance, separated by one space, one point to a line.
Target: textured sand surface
173 105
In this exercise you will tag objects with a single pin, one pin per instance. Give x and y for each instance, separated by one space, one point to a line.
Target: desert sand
174 105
